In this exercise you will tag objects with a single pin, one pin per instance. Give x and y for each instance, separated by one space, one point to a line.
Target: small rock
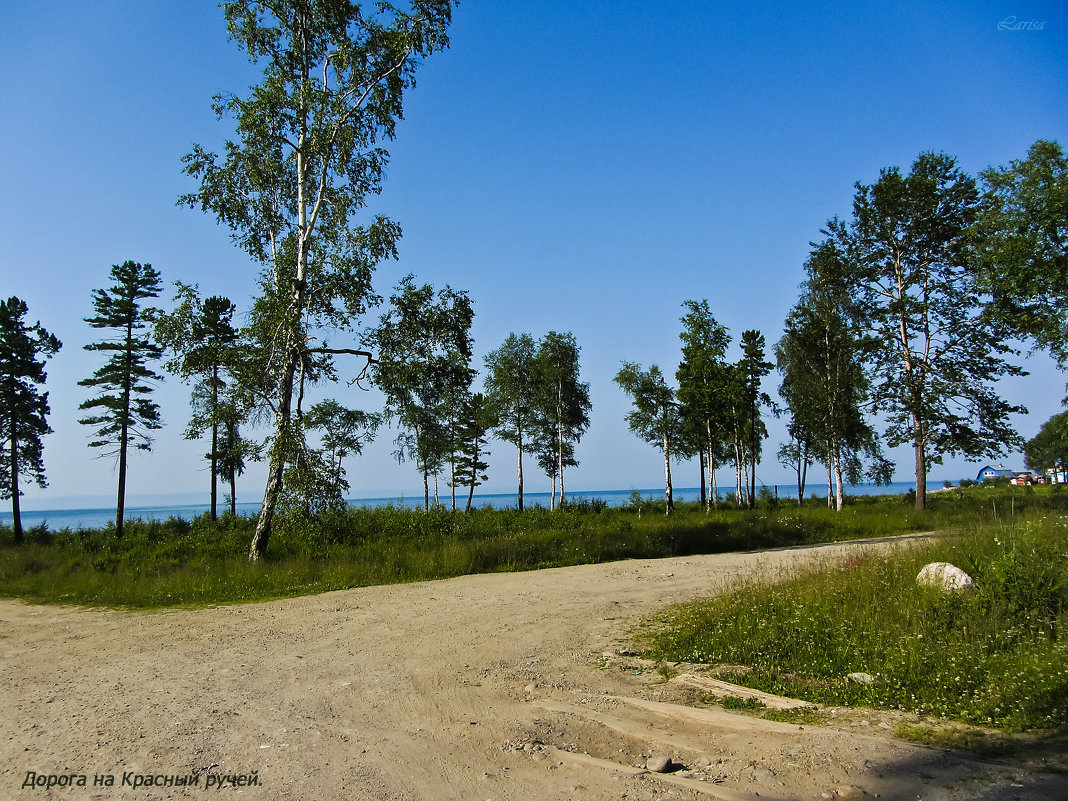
861 678
849 791
946 576
658 764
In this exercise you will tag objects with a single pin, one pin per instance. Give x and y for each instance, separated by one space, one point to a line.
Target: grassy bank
179 562
997 656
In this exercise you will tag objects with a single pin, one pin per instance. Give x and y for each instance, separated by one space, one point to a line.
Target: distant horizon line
192 499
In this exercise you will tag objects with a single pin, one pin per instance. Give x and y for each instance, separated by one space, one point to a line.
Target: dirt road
482 687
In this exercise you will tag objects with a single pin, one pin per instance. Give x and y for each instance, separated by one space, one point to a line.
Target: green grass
997 656
177 562
742 704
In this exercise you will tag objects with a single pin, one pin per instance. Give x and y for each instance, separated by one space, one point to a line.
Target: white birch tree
308 156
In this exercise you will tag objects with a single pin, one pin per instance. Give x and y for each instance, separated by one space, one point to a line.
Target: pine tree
934 351
232 449
124 414
202 336
478 419
23 407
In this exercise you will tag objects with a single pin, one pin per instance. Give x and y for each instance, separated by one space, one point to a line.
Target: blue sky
579 167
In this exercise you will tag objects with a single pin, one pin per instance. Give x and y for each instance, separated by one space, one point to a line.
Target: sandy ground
482 687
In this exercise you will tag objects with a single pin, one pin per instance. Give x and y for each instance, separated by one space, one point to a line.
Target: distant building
989 473
1021 479
1056 475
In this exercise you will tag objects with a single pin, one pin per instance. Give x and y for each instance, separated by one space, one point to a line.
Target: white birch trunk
667 477
839 489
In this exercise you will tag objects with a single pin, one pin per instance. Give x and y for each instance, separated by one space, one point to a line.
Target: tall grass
995 656
177 562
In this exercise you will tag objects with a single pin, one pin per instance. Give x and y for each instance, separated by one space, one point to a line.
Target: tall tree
701 385
510 389
1048 449
933 348
655 416
424 365
750 371
233 448
550 454
797 455
478 418
563 401
307 158
345 432
23 407
823 377
122 410
202 337
1023 231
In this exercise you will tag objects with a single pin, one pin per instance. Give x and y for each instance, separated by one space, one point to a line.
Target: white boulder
945 576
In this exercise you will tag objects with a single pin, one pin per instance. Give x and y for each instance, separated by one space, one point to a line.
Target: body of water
57 519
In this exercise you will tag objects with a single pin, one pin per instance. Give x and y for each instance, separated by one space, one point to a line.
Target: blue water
56 519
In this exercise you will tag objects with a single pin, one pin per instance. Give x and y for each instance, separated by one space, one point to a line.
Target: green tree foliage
510 389
933 349
563 405
655 417
23 406
122 411
1048 449
478 417
424 370
702 387
823 379
307 157
345 432
750 431
550 454
796 454
233 449
202 337
1024 244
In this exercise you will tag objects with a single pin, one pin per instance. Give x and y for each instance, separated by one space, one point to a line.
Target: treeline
533 396
906 314
906 320
715 414
306 158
